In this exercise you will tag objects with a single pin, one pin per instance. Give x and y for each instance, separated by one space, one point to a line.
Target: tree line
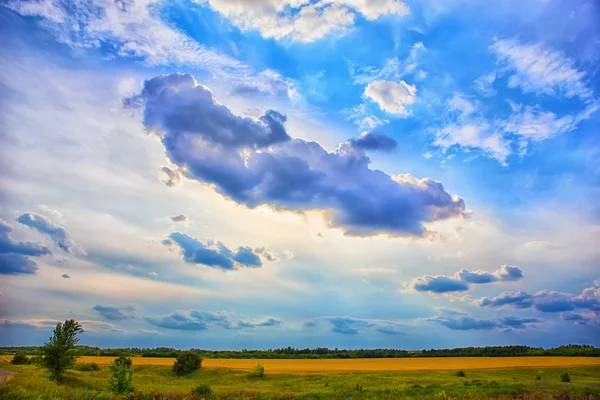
326 353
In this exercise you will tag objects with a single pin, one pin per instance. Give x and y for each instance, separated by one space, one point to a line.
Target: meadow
506 378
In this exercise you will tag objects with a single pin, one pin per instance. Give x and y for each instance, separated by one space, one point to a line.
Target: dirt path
3 374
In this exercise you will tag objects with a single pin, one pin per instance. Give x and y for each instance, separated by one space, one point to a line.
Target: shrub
20 359
87 367
461 374
186 363
538 378
565 377
202 390
121 381
59 351
359 387
257 372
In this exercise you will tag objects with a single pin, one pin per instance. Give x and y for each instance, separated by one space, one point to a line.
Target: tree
20 359
59 352
122 376
186 363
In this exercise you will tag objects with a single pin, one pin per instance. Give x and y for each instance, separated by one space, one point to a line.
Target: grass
31 383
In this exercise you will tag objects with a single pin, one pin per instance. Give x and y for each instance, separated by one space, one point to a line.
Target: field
523 378
370 364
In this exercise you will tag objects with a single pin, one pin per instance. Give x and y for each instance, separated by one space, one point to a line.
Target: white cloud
538 69
392 97
300 20
135 30
485 84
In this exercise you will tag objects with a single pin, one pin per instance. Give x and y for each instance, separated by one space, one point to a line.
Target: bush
87 367
359 387
20 359
538 378
186 363
121 381
202 390
565 377
461 374
257 372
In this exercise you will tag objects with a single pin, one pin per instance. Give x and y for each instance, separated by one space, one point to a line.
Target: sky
227 174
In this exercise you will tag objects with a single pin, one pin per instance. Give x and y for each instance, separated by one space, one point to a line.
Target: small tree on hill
122 376
59 352
186 363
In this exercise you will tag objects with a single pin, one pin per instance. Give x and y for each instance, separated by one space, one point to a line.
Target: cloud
255 162
546 301
540 70
374 141
485 84
581 318
58 235
8 245
172 177
213 254
353 326
438 284
201 320
149 331
466 323
16 264
461 280
66 276
179 218
392 97
267 254
50 324
115 313
303 21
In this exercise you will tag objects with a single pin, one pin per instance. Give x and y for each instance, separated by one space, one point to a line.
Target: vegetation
291 353
202 390
87 367
186 363
58 352
461 374
121 381
20 359
565 377
257 372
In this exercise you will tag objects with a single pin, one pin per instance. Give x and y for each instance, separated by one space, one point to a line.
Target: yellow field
372 364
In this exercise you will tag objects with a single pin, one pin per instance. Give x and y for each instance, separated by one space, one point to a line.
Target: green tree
186 363
59 352
122 376
20 359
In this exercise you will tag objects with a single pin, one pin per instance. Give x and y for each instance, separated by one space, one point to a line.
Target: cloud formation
115 313
463 322
374 141
213 254
14 258
179 218
353 326
255 162
392 97
194 320
58 234
461 280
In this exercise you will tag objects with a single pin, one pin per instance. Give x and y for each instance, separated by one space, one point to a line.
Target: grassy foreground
31 383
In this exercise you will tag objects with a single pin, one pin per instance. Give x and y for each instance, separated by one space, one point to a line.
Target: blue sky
342 173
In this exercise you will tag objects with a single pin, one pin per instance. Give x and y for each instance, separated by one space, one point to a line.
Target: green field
29 382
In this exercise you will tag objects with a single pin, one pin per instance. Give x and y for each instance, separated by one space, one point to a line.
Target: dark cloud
353 326
115 313
465 322
374 141
213 254
246 91
550 301
16 264
438 284
179 218
202 320
66 276
58 235
347 325
512 299
171 178
255 162
461 280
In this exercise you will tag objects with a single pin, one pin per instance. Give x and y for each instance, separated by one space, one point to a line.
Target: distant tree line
323 352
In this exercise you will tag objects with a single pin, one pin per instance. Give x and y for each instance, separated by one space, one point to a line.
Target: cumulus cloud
392 97
195 320
465 322
353 326
171 177
14 258
213 254
538 69
255 162
179 218
58 234
115 313
546 301
16 264
581 318
303 21
374 141
461 280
